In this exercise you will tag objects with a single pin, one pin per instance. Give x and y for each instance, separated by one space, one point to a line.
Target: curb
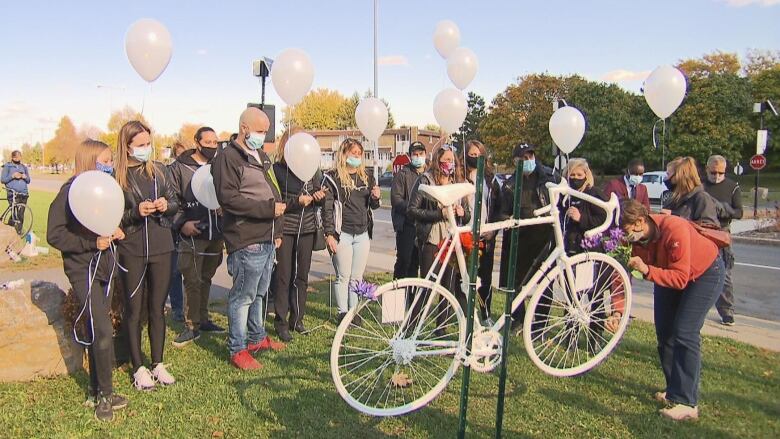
756 241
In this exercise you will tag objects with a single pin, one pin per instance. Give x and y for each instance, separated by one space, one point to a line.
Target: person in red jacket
629 186
685 288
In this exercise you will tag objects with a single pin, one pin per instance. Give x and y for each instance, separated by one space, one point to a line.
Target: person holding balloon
145 255
89 264
293 258
247 190
200 236
352 195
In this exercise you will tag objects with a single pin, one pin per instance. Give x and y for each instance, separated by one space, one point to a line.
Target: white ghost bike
388 360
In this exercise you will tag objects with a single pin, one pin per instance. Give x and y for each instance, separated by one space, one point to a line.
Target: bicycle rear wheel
379 366
20 217
567 333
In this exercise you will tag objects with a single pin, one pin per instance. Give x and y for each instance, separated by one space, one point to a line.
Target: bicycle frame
549 214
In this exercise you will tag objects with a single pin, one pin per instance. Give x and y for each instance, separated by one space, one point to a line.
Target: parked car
386 179
656 189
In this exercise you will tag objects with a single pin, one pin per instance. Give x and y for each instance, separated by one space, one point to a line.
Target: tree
346 118
187 134
710 64
116 121
61 149
432 127
758 61
32 154
476 113
766 85
319 110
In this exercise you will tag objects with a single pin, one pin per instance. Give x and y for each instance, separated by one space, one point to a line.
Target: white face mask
634 180
715 178
634 236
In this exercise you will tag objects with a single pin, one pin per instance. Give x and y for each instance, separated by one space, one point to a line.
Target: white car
656 189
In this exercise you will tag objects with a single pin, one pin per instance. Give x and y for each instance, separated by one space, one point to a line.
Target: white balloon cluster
449 106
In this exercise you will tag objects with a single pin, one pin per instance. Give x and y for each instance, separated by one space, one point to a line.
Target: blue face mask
353 161
255 141
418 162
142 154
634 180
529 166
102 167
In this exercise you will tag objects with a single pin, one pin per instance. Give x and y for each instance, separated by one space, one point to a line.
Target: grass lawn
293 396
39 201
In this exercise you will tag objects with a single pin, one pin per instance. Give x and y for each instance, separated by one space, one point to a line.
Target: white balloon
97 202
567 126
665 90
302 154
148 46
446 38
449 108
292 74
371 117
202 184
462 66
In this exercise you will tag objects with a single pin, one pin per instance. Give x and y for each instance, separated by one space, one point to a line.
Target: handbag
719 237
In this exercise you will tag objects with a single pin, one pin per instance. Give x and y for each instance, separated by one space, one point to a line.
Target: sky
68 58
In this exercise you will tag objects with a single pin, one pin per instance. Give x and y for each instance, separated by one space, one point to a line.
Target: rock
35 341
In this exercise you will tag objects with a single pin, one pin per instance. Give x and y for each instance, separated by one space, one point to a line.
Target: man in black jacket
728 199
200 243
249 195
406 258
532 239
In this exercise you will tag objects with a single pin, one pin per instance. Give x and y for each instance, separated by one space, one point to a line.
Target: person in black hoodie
533 240
578 215
200 238
252 206
407 253
145 255
89 268
293 258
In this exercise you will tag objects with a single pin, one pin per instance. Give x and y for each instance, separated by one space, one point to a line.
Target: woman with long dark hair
145 255
89 268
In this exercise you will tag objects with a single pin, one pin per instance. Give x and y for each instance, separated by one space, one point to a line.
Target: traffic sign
399 162
758 162
738 170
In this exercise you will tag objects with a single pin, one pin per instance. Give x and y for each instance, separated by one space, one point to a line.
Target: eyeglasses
447 147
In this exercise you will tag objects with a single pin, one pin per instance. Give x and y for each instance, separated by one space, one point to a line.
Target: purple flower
364 289
616 234
611 245
591 243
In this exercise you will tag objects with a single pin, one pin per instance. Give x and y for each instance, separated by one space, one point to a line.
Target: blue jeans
679 317
251 269
349 261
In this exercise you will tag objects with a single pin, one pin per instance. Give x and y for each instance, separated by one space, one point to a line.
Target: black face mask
471 161
576 183
209 153
669 185
16 161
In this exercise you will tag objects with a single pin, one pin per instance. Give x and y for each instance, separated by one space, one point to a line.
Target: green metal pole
473 263
510 297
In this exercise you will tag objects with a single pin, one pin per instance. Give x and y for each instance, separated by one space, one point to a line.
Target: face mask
142 154
418 162
353 161
255 141
209 153
634 180
471 161
529 166
16 161
634 236
576 183
102 167
715 178
448 168
669 185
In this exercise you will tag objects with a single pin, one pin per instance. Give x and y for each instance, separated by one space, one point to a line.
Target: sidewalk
761 333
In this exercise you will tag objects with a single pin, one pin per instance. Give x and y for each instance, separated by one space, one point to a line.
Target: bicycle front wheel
571 327
389 356
20 217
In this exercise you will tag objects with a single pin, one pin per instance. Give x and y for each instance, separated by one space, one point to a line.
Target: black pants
291 280
485 274
450 280
153 287
532 241
407 261
101 351
198 262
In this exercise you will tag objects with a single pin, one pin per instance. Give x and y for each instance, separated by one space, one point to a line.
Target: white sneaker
143 379
162 376
681 412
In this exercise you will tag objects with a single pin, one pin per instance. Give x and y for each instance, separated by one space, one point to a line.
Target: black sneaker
299 328
103 409
284 334
727 320
118 402
211 327
186 337
340 317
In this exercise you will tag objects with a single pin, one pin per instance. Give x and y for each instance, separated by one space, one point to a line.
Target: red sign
758 162
399 162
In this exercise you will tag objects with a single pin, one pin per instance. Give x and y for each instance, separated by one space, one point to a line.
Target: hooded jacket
190 209
297 218
697 206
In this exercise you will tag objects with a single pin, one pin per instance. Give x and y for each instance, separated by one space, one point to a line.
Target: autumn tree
187 133
116 121
716 63
62 147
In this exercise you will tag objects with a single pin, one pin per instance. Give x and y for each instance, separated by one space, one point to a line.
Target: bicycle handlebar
612 207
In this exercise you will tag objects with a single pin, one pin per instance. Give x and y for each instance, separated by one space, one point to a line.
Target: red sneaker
266 344
244 361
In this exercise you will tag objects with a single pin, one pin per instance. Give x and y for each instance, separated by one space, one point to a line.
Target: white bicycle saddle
449 194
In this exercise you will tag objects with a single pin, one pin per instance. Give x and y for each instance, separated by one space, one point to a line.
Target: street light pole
376 85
